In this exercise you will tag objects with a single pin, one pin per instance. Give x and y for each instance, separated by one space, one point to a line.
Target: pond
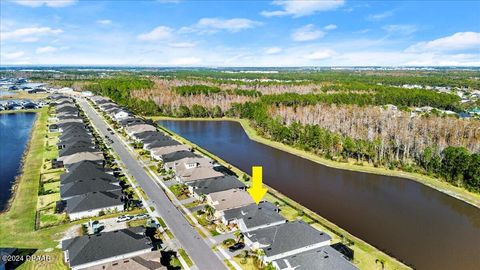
421 226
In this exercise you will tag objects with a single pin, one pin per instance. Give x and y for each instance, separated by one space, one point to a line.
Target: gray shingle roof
215 184
86 186
91 248
94 200
324 258
85 170
145 134
159 143
178 155
254 215
286 237
73 149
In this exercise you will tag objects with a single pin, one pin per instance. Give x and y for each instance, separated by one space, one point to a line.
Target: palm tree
260 253
239 236
209 210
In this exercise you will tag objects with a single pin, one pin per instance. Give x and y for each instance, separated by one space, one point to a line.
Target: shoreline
273 194
462 194
16 182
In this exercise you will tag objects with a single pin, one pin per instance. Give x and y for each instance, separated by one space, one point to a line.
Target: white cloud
48 3
299 8
380 16
29 34
330 27
46 49
213 25
402 29
455 42
320 55
13 55
185 61
307 33
159 33
183 44
104 22
273 50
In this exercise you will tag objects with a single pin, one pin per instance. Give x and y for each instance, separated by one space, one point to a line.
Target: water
14 134
417 224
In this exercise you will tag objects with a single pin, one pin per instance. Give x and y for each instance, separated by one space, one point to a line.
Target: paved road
197 249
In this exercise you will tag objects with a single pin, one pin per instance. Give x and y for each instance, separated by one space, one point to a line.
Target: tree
472 174
455 162
239 236
209 210
217 111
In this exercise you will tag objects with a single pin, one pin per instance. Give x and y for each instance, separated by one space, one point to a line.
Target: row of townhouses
89 188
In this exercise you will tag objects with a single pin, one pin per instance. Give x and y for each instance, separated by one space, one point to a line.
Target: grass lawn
138 222
55 262
48 217
17 226
52 175
180 191
185 257
48 200
52 187
248 264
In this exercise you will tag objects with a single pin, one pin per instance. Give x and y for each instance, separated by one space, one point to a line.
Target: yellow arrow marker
256 190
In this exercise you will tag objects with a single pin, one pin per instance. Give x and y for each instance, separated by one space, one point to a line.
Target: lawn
185 257
52 187
17 226
55 261
48 200
180 191
248 264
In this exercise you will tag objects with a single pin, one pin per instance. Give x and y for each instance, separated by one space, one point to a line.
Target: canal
423 227
14 134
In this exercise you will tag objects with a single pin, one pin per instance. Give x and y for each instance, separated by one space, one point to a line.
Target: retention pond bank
14 134
415 223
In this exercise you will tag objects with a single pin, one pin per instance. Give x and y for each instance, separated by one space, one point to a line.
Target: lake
422 227
14 135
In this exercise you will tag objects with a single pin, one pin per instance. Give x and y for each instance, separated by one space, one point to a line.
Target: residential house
253 216
286 239
91 204
82 156
323 258
215 184
157 153
160 143
166 159
130 130
228 199
187 163
107 249
84 186
86 170
197 173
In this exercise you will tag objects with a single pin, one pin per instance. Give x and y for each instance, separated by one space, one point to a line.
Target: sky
240 33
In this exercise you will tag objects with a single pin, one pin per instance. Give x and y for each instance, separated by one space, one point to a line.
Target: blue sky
239 33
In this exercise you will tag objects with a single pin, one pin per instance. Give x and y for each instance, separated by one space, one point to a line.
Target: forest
334 121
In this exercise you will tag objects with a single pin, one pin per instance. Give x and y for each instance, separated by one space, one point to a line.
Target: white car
123 218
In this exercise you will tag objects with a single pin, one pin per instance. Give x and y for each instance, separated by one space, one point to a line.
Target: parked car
141 216
236 246
124 218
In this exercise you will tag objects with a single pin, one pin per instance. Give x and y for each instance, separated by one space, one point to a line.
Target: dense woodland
347 121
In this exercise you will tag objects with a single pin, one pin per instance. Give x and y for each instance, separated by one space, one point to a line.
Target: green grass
53 187
55 262
45 201
138 222
17 225
180 191
185 257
